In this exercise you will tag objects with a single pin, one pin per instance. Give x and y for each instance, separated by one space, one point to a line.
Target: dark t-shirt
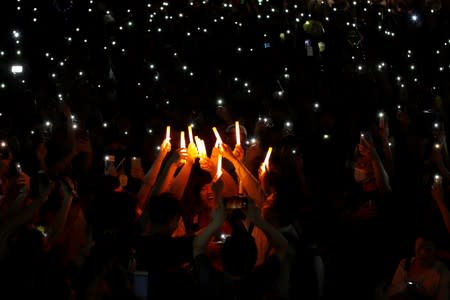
213 284
167 261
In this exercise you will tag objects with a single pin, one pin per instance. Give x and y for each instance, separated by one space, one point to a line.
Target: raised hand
206 164
239 152
24 181
165 148
192 152
367 149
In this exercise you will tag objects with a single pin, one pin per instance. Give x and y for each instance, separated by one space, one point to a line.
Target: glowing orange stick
266 160
191 136
216 133
238 133
182 140
203 149
168 133
219 166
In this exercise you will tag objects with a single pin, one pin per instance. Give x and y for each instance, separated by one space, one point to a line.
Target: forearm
444 212
381 176
149 182
279 242
18 202
388 157
12 221
57 228
179 183
249 183
229 185
443 171
201 241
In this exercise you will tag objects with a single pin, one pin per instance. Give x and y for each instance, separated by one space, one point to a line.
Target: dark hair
162 208
239 251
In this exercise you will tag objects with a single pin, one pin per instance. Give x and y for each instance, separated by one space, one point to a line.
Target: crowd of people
333 182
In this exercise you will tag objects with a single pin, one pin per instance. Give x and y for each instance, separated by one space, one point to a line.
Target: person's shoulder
442 268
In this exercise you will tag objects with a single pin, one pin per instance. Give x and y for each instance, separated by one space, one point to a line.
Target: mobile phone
109 162
18 168
140 284
437 179
236 202
366 135
136 162
309 48
4 151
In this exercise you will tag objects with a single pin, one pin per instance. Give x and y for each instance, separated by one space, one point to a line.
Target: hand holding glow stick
265 164
266 160
238 133
219 139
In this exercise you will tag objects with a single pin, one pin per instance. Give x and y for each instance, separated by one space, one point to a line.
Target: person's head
424 248
239 251
164 212
207 196
231 135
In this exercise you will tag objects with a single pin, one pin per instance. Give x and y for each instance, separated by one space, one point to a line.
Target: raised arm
249 183
381 177
387 152
210 165
152 175
279 242
164 181
54 232
438 195
180 181
11 222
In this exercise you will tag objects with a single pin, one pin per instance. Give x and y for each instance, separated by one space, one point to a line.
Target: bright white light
16 69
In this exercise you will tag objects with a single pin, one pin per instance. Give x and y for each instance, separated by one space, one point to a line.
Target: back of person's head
239 251
163 208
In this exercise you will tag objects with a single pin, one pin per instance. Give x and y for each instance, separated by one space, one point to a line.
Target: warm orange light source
191 135
168 134
238 133
182 140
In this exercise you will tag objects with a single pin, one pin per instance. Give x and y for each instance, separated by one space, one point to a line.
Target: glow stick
191 136
182 140
168 134
219 166
266 160
238 133
216 133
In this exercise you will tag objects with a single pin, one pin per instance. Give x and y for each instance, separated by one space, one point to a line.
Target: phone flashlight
18 168
437 179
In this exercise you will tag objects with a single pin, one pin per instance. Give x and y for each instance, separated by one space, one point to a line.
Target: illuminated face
424 249
207 196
